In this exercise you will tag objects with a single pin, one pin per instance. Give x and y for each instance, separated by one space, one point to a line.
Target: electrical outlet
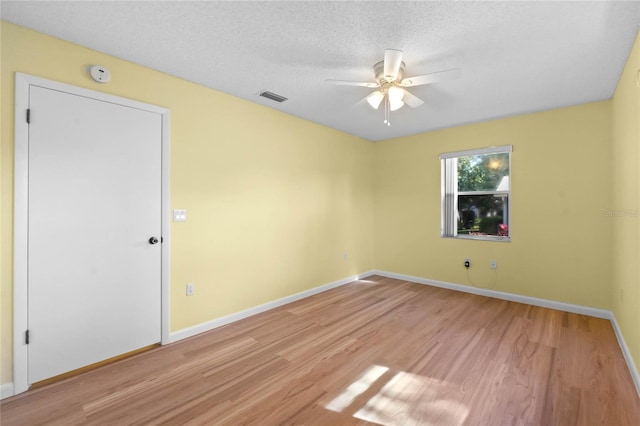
345 255
467 263
190 289
494 264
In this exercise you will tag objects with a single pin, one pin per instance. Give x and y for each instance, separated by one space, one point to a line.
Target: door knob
153 240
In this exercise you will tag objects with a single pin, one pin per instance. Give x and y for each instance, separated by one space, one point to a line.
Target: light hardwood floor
376 351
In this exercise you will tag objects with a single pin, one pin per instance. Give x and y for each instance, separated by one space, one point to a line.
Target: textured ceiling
516 57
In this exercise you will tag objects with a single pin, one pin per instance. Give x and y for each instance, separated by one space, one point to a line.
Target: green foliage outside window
482 213
482 172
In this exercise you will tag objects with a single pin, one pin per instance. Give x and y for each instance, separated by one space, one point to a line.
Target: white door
94 203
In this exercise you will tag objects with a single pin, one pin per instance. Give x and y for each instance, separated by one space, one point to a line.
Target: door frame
23 82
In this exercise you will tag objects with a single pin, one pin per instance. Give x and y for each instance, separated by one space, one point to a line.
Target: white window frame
449 193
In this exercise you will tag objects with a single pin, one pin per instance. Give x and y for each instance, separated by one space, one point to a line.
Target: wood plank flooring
377 351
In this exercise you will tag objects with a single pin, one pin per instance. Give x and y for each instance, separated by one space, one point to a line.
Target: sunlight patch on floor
411 399
406 399
356 388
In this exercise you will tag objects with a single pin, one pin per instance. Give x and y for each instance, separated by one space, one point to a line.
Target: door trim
23 82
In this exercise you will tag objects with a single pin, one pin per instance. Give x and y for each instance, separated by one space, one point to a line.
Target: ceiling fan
391 84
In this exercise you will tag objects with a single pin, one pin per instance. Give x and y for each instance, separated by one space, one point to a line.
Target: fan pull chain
386 111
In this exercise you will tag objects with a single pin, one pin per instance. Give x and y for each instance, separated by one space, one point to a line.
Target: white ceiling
516 57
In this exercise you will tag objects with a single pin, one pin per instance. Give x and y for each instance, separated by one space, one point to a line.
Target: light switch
179 215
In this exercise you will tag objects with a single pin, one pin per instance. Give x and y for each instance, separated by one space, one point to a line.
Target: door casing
20 225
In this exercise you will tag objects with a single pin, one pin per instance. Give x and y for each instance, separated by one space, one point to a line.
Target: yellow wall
561 185
626 203
273 201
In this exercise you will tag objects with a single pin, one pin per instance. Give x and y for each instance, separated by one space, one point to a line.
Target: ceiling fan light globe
395 94
375 99
395 104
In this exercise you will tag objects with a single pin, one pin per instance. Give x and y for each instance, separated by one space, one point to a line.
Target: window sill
481 238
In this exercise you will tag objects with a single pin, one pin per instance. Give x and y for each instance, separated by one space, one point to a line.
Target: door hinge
26 337
29 115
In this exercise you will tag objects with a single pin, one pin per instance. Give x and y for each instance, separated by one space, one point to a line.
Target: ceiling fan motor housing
378 70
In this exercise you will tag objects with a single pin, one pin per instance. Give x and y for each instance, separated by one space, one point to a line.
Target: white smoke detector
100 74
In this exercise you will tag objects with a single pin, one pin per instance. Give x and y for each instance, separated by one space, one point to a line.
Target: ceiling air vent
273 96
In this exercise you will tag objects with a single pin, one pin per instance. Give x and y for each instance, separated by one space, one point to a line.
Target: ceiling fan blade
361 102
431 78
412 100
352 83
392 62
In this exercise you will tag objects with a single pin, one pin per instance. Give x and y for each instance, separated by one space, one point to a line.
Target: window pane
483 215
483 173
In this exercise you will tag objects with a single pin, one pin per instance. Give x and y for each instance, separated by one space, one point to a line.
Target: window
476 194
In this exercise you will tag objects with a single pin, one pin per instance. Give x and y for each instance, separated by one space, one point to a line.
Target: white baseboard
219 322
6 390
627 353
545 303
